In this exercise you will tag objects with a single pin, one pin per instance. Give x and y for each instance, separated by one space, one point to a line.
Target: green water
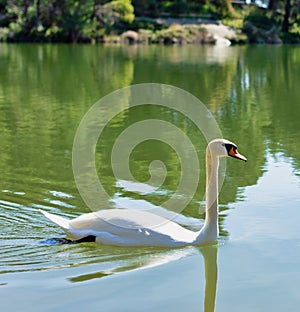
252 92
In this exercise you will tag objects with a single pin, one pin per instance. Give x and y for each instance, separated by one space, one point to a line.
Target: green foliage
236 23
92 20
261 19
295 29
147 23
184 34
113 13
75 17
275 24
64 20
122 10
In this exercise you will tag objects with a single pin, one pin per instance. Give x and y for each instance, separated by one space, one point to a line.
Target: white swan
128 227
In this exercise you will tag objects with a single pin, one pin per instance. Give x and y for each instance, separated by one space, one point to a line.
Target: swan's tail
65 225
60 221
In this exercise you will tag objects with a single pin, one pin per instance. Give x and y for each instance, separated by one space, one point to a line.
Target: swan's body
128 227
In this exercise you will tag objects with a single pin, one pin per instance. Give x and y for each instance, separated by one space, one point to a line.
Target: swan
129 227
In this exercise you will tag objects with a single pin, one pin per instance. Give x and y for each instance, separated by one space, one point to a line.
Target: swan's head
222 147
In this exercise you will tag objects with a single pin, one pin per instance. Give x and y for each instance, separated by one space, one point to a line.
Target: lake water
253 93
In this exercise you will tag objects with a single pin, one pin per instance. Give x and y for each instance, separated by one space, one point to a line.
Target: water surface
253 93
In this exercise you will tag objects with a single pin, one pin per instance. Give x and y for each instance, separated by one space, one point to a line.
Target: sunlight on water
141 188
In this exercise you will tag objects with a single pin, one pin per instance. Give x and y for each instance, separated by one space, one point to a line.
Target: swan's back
124 218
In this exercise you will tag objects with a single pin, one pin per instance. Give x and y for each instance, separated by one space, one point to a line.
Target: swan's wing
143 205
127 222
128 219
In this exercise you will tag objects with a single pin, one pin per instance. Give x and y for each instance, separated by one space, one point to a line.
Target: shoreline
177 31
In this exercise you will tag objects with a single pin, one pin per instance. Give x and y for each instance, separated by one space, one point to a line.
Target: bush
184 34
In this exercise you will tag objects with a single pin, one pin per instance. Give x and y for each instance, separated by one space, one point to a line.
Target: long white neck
209 232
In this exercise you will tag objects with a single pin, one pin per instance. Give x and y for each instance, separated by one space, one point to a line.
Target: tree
74 18
286 19
114 12
230 9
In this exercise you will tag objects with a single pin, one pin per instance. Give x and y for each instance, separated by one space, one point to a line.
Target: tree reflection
45 91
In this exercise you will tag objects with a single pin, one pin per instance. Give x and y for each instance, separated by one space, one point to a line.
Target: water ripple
26 244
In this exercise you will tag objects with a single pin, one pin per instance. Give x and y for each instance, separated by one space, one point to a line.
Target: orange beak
234 153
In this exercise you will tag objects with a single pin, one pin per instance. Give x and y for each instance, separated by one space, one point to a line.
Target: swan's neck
212 167
209 232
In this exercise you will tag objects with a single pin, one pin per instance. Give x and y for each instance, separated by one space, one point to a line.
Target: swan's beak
234 153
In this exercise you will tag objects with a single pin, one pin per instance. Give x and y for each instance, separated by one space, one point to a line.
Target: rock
130 37
222 42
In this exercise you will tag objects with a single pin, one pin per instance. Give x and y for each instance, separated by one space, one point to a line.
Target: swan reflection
133 259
